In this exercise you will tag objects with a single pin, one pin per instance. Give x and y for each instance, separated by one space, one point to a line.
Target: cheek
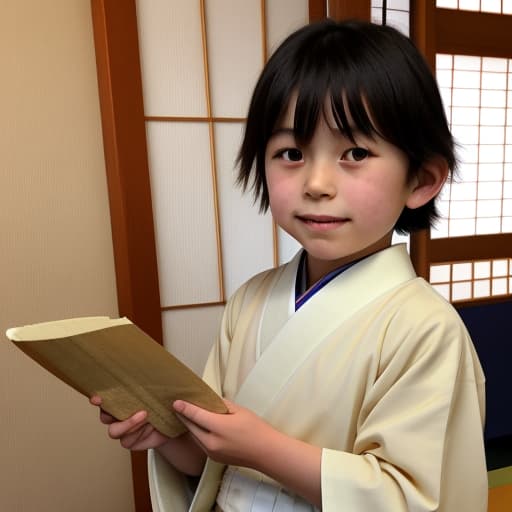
280 188
379 200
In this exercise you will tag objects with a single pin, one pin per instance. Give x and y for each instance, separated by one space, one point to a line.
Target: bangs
327 76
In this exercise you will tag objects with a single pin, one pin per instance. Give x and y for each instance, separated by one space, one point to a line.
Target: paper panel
469 5
184 213
172 64
398 20
283 17
235 54
440 273
247 235
491 6
190 333
447 4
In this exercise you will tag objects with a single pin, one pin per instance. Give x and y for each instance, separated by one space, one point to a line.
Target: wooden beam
473 33
317 10
348 9
423 35
467 248
423 29
124 139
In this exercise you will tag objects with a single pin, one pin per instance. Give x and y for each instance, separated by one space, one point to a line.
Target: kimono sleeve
419 443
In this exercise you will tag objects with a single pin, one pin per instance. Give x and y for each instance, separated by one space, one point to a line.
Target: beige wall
55 257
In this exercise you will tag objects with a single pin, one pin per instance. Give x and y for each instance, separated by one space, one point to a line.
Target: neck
316 268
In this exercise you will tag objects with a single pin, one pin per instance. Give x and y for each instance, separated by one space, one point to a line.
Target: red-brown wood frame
345 9
124 139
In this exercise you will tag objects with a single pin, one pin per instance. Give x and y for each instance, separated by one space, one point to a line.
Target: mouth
323 222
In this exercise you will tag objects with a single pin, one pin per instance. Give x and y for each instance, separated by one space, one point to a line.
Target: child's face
339 200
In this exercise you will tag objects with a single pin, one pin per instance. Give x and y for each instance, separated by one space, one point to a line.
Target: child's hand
241 438
237 438
134 433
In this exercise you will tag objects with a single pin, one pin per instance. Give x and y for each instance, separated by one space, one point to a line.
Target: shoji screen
477 94
200 61
471 245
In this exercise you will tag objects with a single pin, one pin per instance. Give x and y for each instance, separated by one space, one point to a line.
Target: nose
320 180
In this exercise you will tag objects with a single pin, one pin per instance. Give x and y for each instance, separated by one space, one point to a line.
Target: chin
328 256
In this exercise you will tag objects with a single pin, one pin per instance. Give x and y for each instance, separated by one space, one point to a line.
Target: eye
290 155
355 154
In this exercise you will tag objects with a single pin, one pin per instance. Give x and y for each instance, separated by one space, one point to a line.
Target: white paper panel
283 17
447 4
482 288
461 291
494 63
491 6
444 61
398 20
461 271
482 269
190 333
171 58
499 268
443 290
234 52
499 287
400 5
468 62
247 238
469 5
183 209
440 273
376 15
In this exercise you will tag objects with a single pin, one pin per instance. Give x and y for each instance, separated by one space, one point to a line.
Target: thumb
231 406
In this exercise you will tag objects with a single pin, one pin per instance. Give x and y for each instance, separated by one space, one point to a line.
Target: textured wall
56 257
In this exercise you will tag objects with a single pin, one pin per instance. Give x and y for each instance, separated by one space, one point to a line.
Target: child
352 384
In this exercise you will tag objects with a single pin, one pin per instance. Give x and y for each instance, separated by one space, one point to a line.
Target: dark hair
387 87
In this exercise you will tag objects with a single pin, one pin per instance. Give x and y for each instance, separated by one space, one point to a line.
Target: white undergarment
244 490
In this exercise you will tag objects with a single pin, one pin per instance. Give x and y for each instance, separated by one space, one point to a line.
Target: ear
428 182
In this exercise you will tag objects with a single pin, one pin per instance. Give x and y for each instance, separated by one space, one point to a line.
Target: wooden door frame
126 162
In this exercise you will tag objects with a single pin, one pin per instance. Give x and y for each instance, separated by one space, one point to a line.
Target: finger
231 406
198 434
95 400
194 414
118 429
137 437
106 418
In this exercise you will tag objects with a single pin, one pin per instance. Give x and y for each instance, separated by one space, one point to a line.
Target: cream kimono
377 369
